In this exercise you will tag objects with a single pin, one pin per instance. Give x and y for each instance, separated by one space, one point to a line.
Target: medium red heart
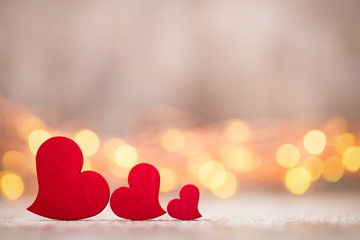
185 208
66 193
140 201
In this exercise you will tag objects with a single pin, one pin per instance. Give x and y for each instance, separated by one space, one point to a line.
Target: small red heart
66 193
140 201
185 208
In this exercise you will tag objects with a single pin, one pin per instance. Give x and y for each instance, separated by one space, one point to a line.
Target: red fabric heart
185 208
140 201
66 193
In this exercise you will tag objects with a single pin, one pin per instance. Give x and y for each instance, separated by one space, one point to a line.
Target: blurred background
233 96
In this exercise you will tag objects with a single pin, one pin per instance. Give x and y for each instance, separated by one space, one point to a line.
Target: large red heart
66 193
185 208
140 201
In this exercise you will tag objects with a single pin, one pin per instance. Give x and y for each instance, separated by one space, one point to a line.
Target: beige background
110 61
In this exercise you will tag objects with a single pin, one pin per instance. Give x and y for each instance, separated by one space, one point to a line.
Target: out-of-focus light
12 159
109 147
351 159
88 141
12 186
26 124
237 131
126 156
118 171
218 179
223 184
336 125
168 179
17 162
173 140
195 162
193 144
314 142
207 171
333 169
87 166
343 142
314 165
287 156
239 158
36 138
298 180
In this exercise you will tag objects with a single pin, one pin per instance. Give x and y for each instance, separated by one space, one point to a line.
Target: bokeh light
12 186
207 171
87 166
109 147
336 125
223 184
214 156
195 162
168 179
314 142
126 156
16 161
333 169
298 180
351 159
287 155
218 179
26 124
239 158
193 144
36 138
88 141
247 93
118 171
314 165
237 131
343 142
173 140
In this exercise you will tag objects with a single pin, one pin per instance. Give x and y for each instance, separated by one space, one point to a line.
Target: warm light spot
36 138
315 142
12 186
168 179
343 142
195 162
298 180
193 144
86 164
336 125
109 147
207 171
218 179
173 140
333 169
223 184
287 156
237 131
26 124
314 165
126 156
15 161
239 158
118 171
88 142
351 159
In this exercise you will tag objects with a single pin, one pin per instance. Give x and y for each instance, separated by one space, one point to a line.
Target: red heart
185 208
66 193
140 201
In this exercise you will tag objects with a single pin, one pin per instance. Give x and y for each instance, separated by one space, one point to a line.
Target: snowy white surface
247 216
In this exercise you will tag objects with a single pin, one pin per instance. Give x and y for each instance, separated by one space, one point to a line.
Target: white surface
247 216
